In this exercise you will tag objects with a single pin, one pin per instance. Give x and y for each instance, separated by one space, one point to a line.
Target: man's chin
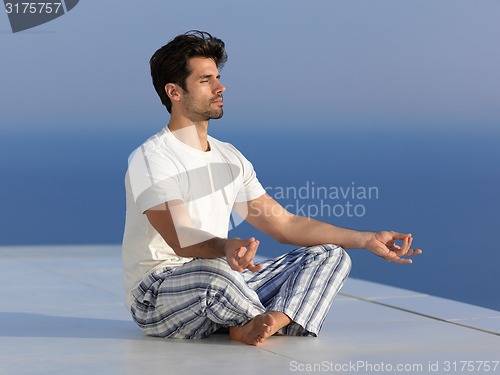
217 116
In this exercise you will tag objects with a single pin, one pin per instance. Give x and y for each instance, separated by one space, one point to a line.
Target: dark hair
170 63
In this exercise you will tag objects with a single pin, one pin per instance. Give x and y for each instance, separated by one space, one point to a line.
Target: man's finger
240 252
234 264
414 252
403 261
249 254
392 257
405 247
400 236
254 268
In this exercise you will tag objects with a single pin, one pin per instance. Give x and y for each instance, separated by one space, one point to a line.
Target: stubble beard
214 114
203 114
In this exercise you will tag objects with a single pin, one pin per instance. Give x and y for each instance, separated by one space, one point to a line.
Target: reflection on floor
62 312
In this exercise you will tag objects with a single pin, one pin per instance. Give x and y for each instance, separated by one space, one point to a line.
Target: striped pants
199 297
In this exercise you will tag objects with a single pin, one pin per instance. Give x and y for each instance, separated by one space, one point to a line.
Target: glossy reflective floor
62 312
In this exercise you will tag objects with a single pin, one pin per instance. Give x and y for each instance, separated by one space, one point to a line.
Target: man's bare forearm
185 240
238 252
204 245
304 231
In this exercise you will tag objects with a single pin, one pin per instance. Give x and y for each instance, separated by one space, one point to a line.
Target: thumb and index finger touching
396 252
244 253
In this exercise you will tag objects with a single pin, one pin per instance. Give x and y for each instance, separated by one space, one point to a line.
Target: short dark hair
169 64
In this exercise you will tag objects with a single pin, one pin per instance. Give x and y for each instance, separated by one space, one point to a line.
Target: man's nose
219 88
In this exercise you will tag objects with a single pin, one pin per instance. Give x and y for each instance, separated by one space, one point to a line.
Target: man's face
203 98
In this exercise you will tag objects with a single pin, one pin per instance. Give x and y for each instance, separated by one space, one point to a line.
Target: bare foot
256 330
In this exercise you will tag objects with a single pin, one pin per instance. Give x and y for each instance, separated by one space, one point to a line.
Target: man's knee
346 262
324 251
330 253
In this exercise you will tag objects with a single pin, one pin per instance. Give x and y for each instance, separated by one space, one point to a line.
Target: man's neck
193 134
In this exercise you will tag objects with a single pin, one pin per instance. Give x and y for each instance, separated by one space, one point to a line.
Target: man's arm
171 220
270 217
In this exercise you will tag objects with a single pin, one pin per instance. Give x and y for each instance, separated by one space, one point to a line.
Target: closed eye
208 78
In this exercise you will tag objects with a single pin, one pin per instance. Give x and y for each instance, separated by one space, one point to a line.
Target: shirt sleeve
153 178
251 188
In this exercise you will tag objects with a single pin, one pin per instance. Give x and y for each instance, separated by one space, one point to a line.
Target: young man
184 277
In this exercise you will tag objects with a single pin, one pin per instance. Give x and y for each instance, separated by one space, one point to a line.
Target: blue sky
388 63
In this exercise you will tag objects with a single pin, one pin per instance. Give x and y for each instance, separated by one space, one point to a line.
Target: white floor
61 312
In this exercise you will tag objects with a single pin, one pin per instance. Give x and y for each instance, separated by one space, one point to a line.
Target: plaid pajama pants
199 297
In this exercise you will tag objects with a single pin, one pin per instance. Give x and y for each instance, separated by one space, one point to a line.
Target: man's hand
384 245
240 254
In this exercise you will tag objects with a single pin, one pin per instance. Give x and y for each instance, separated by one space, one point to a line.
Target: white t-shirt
165 169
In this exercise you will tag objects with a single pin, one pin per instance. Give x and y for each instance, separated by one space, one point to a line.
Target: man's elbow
284 241
282 238
283 232
180 252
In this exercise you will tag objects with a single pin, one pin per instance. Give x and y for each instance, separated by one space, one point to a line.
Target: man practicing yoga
184 277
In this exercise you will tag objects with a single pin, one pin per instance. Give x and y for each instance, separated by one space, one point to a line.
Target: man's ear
172 91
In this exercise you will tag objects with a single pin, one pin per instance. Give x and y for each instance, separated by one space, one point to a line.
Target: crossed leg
196 299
